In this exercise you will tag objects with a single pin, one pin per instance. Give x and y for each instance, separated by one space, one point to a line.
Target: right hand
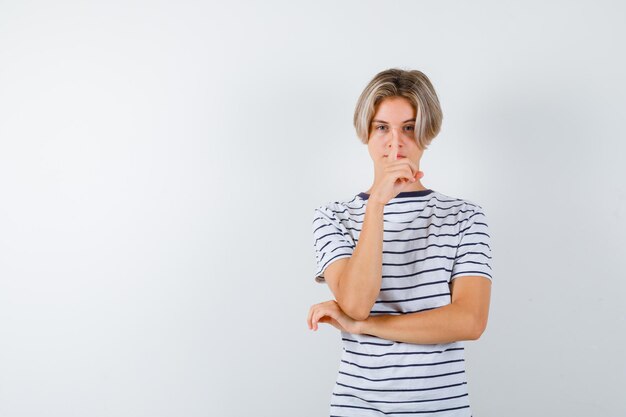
397 175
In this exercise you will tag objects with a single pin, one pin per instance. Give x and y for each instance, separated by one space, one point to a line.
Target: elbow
358 313
358 308
361 315
354 310
478 326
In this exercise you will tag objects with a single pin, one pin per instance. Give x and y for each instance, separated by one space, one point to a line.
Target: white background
160 162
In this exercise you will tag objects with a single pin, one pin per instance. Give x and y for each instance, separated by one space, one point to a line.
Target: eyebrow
382 121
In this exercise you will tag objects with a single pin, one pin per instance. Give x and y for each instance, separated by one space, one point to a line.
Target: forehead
394 110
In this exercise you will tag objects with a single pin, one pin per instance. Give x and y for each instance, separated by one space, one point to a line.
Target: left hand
330 312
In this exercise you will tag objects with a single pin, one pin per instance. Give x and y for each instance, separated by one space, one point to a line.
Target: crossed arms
356 281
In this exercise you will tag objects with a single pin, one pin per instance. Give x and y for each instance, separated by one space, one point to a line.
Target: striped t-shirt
429 239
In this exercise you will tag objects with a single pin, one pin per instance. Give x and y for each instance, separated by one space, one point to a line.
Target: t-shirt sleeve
473 255
331 241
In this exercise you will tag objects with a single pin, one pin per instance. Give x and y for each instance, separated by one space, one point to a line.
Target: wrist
375 205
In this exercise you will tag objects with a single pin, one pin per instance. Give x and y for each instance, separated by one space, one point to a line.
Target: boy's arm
355 282
465 318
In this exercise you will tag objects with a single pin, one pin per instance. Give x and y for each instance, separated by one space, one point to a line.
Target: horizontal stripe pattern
429 239
332 241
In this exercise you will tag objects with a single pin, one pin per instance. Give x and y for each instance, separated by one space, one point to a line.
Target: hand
330 312
397 174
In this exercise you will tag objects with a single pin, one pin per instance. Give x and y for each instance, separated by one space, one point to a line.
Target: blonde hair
414 86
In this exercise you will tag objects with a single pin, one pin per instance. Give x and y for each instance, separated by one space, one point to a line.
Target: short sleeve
331 241
473 255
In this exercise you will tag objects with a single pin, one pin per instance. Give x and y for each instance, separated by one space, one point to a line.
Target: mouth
399 156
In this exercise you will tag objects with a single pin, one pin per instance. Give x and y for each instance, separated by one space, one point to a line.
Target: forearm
446 324
361 280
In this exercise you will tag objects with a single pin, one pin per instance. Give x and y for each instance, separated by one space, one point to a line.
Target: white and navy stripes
428 240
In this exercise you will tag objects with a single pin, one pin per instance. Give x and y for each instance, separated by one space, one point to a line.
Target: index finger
393 155
308 317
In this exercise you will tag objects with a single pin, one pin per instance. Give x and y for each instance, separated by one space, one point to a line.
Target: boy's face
392 132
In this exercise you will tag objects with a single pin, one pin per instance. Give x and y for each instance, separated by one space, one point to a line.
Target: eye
410 127
381 127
